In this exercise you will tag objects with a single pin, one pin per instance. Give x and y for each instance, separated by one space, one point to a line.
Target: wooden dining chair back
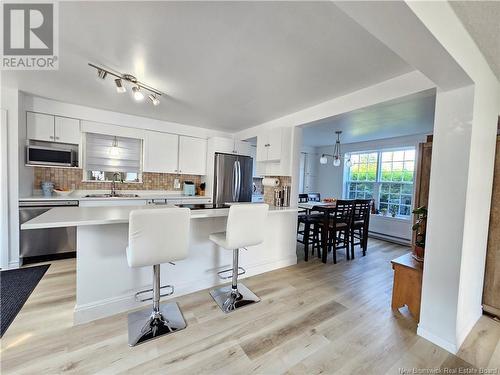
303 198
344 211
339 228
360 224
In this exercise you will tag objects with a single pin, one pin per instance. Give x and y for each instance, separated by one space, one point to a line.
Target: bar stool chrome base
229 299
147 324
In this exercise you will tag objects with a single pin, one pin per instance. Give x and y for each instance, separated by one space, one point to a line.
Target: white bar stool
156 236
245 227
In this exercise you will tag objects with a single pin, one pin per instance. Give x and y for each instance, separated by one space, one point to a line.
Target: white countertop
79 216
79 195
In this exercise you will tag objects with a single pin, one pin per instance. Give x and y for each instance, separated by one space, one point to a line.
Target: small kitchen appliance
189 188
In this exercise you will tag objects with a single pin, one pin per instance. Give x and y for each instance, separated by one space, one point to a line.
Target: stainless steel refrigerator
233 178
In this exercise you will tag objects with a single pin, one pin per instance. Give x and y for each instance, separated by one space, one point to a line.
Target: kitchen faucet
113 183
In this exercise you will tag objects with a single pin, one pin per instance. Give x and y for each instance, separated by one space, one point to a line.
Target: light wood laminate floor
313 318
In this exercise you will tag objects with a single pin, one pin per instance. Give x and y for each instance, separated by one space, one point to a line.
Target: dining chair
360 224
339 227
309 234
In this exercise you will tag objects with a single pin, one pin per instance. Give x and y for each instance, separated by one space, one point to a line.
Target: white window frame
378 181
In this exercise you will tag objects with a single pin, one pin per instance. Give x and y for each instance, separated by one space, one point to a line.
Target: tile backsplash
65 178
269 190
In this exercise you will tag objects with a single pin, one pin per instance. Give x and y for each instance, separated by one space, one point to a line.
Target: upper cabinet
230 146
274 152
67 130
269 145
49 128
192 155
171 153
161 152
40 127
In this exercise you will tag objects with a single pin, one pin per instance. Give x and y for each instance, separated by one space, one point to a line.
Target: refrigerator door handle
238 179
235 180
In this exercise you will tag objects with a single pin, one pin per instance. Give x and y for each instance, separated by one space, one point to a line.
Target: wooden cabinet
161 152
40 127
407 288
192 155
491 290
49 128
423 177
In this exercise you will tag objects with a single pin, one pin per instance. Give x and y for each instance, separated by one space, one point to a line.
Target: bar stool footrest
241 271
136 296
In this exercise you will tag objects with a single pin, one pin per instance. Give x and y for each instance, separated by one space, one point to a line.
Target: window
106 155
396 187
362 176
385 176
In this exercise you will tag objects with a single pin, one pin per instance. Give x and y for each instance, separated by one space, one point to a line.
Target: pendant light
337 154
114 151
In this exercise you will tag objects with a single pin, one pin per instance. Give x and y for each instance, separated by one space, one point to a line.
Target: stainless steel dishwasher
45 244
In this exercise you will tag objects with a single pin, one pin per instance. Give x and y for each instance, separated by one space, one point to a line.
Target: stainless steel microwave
42 155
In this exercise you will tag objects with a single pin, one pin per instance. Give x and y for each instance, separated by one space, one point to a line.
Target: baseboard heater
389 238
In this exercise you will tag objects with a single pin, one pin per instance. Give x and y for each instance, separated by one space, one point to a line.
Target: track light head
101 73
154 99
119 86
138 95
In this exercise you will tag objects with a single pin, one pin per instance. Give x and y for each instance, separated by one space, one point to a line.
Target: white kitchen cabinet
244 148
230 146
274 142
224 145
112 202
161 152
67 130
49 128
192 155
269 145
40 127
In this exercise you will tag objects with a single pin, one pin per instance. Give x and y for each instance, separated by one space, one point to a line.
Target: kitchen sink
111 196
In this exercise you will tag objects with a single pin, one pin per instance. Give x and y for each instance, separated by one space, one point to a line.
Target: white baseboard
398 240
14 264
446 345
462 335
111 306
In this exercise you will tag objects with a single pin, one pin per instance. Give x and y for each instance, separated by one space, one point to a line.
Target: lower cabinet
113 202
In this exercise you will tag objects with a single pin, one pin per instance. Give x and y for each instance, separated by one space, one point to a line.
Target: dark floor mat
15 288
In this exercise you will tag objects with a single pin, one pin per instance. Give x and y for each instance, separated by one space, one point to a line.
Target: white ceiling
412 114
224 65
482 21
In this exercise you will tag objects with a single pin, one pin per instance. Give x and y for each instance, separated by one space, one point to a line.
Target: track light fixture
138 95
138 88
154 99
119 86
101 73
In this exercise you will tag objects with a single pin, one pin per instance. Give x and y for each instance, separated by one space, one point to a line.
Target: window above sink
106 155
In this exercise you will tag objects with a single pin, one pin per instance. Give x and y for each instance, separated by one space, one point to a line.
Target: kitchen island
105 285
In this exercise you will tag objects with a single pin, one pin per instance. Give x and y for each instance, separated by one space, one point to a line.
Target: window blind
112 154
